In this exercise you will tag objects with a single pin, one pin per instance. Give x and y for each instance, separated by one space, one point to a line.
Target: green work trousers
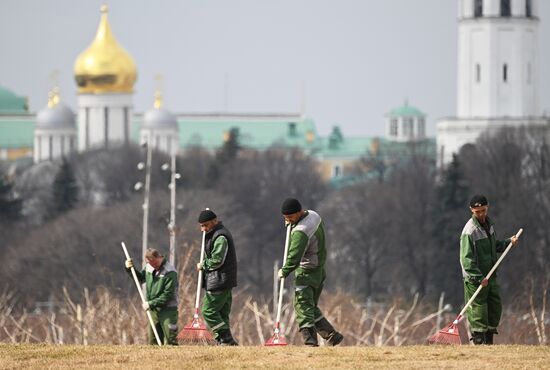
309 285
166 323
484 312
216 308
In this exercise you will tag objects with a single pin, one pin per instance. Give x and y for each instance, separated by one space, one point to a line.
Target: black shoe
226 339
335 339
310 336
478 338
328 333
489 337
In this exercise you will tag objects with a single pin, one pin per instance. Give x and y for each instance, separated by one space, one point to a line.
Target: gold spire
105 66
53 95
158 92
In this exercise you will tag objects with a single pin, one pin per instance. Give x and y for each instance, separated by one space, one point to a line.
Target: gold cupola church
105 74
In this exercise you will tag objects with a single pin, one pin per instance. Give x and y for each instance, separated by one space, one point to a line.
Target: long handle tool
142 296
451 334
278 338
196 332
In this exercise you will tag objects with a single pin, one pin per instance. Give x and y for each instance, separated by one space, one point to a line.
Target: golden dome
104 66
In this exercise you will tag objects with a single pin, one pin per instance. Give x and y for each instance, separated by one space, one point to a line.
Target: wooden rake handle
487 277
142 296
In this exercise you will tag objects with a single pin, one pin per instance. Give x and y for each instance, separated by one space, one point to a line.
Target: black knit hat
206 215
478 201
290 206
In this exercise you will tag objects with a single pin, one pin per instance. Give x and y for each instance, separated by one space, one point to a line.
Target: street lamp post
172 224
145 206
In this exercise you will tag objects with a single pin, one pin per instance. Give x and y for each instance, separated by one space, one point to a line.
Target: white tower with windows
497 72
406 123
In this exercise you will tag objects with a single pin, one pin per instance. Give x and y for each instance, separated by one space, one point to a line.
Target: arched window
505 9
421 127
393 127
336 170
528 8
478 8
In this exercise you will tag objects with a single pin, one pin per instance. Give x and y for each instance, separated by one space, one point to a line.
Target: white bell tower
497 73
497 58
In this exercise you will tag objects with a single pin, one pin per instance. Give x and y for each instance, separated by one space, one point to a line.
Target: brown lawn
25 356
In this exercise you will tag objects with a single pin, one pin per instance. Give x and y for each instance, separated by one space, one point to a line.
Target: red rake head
195 333
449 335
277 339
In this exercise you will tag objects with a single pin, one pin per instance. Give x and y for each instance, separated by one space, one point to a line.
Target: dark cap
206 215
290 206
478 201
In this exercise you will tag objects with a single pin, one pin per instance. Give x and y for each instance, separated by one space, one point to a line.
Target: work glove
145 306
129 263
280 274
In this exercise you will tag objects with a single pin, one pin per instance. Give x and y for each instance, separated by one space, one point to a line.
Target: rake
151 322
196 332
451 334
278 338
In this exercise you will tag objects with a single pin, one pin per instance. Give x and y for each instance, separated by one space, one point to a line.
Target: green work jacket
161 286
478 251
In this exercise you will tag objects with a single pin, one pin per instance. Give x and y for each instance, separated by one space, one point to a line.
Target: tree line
394 234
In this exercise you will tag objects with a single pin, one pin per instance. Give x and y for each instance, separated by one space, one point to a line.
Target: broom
195 332
153 326
278 339
451 334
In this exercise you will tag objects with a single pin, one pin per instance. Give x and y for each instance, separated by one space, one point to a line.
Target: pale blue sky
356 58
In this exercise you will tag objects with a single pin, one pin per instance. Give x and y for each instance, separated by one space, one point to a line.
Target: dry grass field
27 356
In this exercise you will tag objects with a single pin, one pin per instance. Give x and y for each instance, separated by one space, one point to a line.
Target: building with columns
105 74
160 128
406 123
55 130
497 72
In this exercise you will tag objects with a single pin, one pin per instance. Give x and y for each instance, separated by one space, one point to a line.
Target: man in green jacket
478 254
220 276
161 285
306 257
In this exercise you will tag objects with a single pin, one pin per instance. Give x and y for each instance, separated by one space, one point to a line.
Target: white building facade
405 124
55 131
497 72
160 128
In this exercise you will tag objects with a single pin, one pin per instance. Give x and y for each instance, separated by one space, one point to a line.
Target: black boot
226 339
489 337
310 336
478 338
328 333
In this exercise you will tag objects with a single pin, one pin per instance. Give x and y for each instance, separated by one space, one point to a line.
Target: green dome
406 110
11 103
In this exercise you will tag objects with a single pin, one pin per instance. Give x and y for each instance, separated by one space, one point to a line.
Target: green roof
356 147
11 103
406 110
207 131
254 133
17 131
348 147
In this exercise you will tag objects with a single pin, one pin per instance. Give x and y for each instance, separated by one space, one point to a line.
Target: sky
348 62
